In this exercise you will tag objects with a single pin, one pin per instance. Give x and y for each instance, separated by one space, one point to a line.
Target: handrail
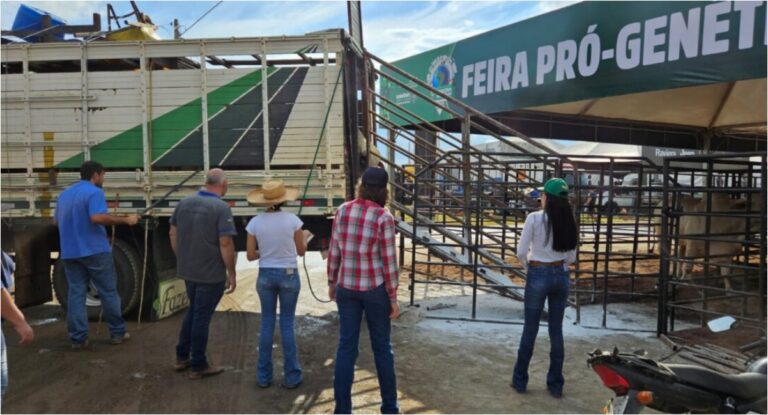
468 110
387 124
453 100
494 163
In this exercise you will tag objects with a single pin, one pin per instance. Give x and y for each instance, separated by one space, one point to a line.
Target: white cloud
270 19
546 6
437 24
396 32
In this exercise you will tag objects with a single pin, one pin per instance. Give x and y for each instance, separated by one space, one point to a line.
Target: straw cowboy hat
272 192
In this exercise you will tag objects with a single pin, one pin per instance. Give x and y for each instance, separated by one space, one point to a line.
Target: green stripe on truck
125 149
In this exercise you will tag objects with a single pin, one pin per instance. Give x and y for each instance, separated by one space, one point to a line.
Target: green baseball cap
555 187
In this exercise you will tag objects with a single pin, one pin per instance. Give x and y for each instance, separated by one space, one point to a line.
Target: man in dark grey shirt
201 236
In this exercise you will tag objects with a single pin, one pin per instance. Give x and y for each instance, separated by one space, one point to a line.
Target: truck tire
128 267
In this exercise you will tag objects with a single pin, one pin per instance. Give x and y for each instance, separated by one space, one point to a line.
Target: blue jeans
376 305
272 285
193 338
100 270
543 283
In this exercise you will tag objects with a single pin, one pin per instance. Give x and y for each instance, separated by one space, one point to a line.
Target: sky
391 29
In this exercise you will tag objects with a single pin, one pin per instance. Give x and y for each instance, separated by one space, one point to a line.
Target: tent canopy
675 74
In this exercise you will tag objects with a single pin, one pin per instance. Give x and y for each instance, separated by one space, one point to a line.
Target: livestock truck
157 115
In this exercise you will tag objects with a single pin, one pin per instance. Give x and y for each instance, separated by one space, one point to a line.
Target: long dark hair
376 194
561 224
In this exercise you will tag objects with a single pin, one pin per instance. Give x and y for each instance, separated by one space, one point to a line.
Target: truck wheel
128 267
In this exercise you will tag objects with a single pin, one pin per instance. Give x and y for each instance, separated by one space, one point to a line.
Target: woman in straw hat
276 238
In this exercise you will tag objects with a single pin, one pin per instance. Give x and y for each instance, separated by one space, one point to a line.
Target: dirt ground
443 366
731 339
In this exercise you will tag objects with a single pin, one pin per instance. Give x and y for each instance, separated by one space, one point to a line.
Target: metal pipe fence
464 208
713 238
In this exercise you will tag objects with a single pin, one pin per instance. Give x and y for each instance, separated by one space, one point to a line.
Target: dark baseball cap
375 176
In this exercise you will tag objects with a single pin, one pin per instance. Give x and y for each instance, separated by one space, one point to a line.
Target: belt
546 264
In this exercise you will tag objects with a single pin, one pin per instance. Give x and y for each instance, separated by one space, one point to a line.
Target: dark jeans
543 283
375 304
278 284
100 270
193 338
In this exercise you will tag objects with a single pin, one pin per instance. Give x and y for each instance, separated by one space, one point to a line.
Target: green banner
589 50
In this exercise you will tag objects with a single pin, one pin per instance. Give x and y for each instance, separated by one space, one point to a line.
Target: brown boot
182 365
80 346
208 371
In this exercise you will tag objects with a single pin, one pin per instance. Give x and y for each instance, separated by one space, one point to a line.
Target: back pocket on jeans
292 281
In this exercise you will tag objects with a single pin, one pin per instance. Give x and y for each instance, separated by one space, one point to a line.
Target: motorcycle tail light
644 397
612 380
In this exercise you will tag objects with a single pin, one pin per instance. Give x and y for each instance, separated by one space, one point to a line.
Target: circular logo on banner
442 73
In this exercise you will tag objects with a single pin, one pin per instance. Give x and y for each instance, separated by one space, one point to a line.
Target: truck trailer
158 114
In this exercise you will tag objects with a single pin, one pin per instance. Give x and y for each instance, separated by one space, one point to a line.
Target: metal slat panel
115 107
167 48
54 81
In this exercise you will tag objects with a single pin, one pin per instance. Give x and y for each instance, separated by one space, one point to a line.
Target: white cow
691 205
721 253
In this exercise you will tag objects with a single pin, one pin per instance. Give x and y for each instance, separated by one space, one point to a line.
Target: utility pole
176 32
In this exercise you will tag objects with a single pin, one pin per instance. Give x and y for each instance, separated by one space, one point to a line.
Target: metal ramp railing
420 231
453 184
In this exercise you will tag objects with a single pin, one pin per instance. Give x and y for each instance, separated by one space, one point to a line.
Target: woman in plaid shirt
363 277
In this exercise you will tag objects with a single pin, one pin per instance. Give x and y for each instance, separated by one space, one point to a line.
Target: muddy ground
448 366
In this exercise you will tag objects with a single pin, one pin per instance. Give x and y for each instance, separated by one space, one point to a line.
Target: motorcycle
640 382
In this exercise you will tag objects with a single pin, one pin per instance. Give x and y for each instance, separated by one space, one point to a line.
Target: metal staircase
460 211
423 235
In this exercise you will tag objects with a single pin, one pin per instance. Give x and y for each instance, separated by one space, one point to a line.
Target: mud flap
171 298
166 293
32 246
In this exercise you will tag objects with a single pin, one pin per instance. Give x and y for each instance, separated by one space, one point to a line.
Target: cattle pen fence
615 199
628 210
713 240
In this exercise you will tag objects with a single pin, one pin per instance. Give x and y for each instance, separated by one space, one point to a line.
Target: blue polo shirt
78 235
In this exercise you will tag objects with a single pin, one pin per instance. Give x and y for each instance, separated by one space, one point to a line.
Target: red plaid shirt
363 254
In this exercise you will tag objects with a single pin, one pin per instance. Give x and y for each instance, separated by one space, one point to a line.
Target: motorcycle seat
747 386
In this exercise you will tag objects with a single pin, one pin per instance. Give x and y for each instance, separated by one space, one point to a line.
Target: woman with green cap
547 245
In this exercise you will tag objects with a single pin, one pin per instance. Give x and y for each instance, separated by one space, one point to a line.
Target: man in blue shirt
81 213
